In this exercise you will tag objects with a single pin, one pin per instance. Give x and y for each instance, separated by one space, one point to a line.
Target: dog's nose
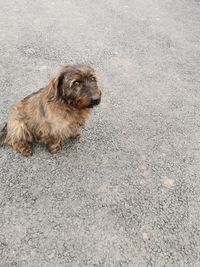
95 97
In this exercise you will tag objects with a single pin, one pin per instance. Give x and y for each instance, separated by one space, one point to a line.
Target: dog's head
77 86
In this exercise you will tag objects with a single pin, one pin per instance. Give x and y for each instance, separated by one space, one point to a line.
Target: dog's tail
3 134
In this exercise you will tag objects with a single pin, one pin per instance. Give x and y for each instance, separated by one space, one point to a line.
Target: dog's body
54 113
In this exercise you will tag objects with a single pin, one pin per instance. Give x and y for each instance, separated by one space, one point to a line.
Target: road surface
128 194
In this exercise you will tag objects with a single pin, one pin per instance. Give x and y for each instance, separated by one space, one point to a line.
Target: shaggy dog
55 112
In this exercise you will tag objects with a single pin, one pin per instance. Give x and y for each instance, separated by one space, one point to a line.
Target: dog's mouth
94 102
88 103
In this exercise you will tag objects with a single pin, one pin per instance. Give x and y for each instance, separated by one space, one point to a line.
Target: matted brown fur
53 113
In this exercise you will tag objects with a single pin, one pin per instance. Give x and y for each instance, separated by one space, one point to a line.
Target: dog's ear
55 90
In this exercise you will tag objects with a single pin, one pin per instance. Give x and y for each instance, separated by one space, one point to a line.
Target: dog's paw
54 149
26 151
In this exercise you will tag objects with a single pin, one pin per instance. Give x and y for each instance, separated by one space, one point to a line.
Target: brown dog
53 113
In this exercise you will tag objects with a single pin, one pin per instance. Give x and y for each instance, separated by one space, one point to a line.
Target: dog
54 113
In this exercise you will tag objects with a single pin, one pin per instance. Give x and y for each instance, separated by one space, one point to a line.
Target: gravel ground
128 194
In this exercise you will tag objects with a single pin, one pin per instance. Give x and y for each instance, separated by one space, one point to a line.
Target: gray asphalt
128 194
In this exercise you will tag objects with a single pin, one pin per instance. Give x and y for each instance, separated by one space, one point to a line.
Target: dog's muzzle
95 100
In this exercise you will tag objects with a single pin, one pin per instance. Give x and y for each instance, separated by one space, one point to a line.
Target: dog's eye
77 83
93 78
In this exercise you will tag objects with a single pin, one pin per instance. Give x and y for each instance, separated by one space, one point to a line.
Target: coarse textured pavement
129 193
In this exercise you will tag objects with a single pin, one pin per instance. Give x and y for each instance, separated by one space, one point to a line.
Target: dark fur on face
77 86
53 113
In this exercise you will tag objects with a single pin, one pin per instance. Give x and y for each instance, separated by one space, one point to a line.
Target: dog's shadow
68 146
